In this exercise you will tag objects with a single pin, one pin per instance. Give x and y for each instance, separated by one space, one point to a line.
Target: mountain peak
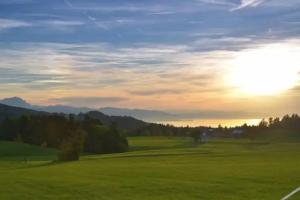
15 101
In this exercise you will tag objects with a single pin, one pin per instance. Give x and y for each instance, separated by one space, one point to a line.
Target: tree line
287 123
73 135
66 133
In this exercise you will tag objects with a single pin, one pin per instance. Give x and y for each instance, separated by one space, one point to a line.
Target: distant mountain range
142 114
123 122
147 115
19 102
11 111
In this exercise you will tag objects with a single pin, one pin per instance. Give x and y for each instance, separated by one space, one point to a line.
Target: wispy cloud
12 23
146 8
128 76
8 2
90 100
60 23
154 92
248 3
217 2
20 76
114 8
85 67
6 24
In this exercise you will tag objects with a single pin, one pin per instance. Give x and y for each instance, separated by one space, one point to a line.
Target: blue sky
140 53
127 22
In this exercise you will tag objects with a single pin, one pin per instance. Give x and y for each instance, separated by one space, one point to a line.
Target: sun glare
268 70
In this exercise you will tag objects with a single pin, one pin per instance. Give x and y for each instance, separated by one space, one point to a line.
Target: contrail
291 194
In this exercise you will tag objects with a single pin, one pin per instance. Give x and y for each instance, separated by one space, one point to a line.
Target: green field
156 168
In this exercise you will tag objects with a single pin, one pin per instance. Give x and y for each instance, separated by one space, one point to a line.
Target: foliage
196 135
72 146
288 126
65 133
104 139
160 130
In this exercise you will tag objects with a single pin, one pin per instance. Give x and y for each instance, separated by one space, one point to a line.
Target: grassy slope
19 151
162 169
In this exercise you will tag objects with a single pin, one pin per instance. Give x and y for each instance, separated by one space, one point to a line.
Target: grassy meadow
156 168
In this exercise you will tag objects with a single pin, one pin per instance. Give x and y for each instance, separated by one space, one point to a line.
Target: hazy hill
147 115
151 115
123 122
142 114
62 109
19 102
11 111
15 101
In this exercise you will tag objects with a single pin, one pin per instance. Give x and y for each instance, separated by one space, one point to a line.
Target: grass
19 151
158 168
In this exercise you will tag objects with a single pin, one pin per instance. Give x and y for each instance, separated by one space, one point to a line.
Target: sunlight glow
268 70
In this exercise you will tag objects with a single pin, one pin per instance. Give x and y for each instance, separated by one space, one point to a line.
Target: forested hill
13 112
125 123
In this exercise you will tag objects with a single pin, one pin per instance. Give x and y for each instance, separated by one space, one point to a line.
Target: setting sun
268 70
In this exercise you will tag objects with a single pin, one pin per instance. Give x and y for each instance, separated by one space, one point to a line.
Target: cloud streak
248 3
90 100
12 23
154 92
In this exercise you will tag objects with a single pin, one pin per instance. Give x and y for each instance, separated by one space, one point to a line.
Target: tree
196 135
72 146
103 139
263 124
9 129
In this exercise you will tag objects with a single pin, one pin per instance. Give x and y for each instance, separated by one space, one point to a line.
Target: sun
268 70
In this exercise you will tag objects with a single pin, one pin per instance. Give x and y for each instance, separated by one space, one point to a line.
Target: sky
210 55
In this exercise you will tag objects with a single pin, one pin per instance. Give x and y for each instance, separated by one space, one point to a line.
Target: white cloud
11 23
58 24
248 3
217 2
61 23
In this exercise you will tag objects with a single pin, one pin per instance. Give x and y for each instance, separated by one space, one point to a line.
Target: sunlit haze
266 70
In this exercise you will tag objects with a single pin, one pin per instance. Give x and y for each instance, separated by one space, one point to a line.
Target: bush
72 146
196 135
103 139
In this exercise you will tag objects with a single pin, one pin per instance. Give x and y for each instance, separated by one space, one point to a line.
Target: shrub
72 146
103 139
